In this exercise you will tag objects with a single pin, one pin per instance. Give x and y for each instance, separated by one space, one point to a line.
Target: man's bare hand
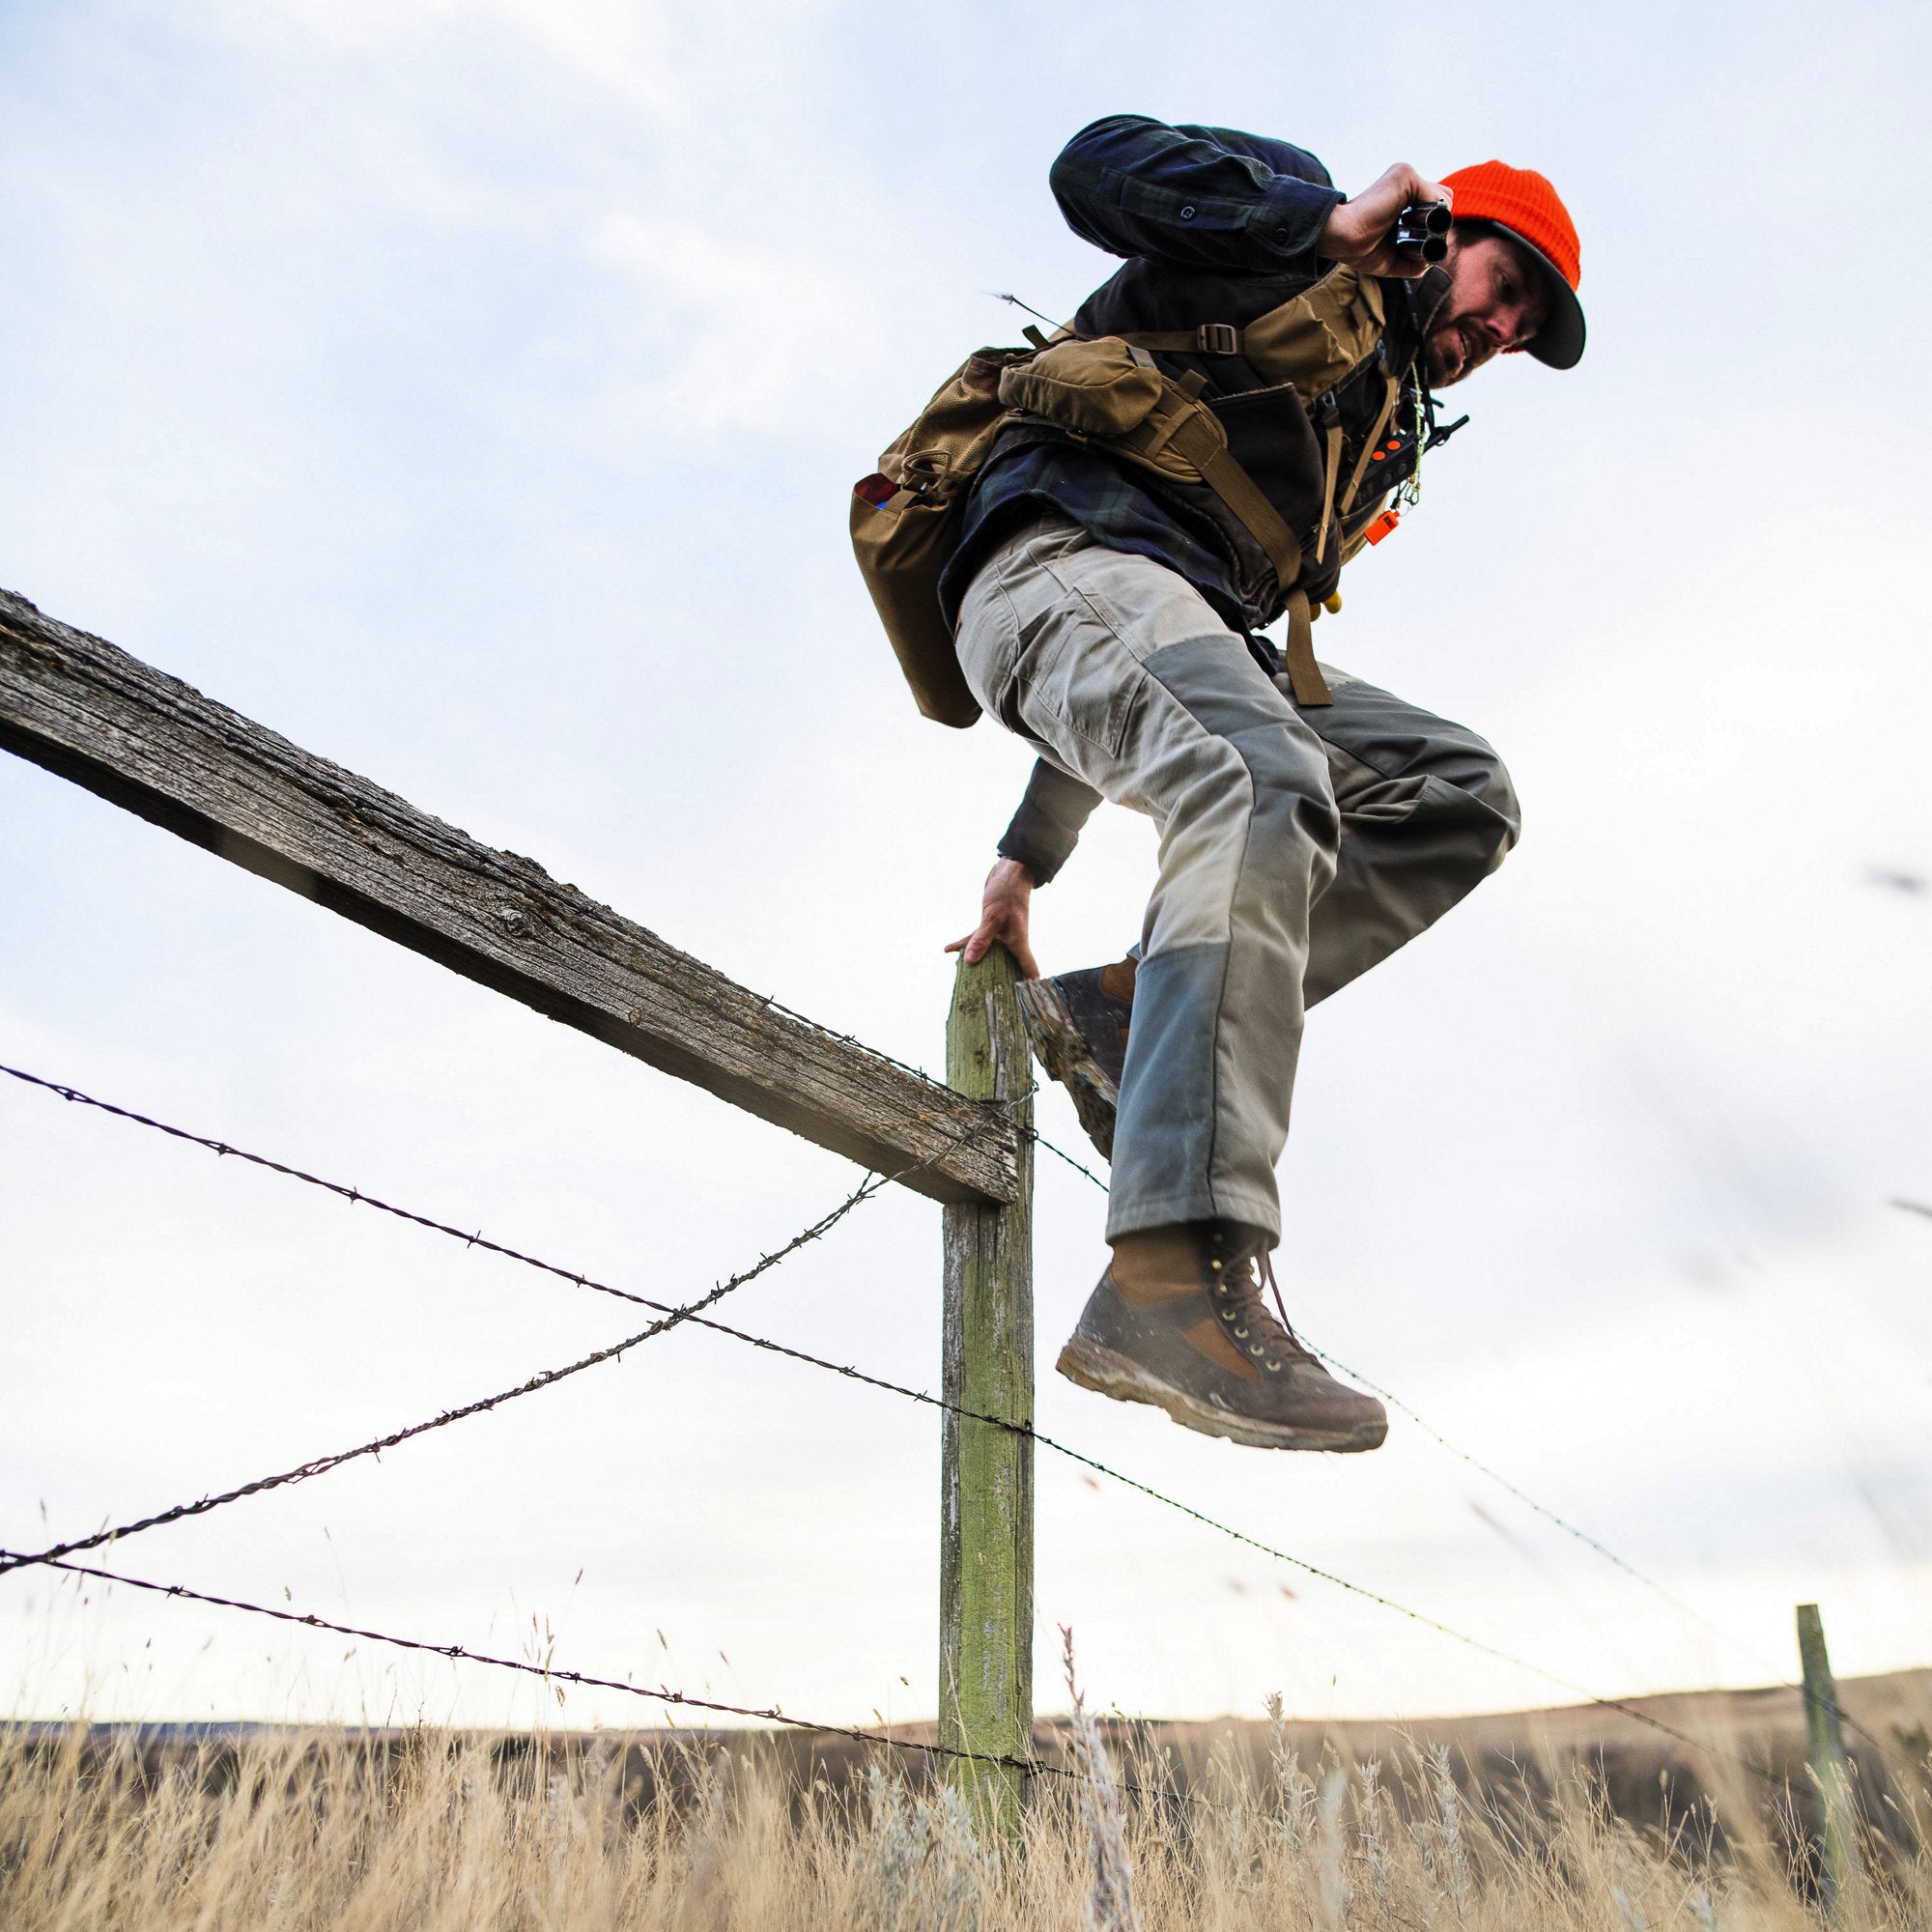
1004 911
1361 231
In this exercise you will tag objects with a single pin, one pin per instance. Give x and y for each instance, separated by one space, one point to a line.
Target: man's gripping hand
1362 231
1004 911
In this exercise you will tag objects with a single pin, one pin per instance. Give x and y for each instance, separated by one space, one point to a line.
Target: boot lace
1253 1329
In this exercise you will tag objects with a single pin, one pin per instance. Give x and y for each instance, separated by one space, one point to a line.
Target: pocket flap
1099 387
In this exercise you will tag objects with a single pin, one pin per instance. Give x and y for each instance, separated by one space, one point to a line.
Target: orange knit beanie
1522 202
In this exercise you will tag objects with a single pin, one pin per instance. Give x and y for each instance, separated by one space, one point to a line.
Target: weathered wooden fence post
1826 1737
985 1565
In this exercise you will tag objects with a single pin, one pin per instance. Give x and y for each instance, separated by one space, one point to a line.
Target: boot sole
1108 1373
1059 1047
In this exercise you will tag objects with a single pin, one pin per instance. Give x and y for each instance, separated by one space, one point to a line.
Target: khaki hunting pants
1297 847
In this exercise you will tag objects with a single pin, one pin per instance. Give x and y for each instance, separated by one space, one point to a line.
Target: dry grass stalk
1110 1902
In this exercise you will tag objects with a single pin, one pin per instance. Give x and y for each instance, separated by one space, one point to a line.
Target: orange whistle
1383 526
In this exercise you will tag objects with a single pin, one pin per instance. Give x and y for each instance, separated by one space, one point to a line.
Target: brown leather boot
1178 1321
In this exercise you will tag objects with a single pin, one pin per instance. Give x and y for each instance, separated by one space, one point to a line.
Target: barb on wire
1041 1139
456 1652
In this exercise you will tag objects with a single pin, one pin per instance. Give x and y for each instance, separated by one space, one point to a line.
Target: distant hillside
1752 1762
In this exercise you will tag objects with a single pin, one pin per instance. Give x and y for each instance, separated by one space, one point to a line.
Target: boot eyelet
1254 1348
1274 1366
1242 1333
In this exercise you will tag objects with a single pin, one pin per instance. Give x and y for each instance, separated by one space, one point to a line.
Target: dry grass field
1222 1829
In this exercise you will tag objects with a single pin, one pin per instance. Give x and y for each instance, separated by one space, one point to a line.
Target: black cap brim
1559 342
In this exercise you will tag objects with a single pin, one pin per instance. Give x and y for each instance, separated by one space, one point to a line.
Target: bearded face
1497 300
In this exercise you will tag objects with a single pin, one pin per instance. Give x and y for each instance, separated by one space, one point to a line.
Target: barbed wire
675 1316
692 1313
852 1040
354 1196
549 1674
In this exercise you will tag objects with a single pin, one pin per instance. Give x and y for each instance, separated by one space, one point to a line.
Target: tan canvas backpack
1108 391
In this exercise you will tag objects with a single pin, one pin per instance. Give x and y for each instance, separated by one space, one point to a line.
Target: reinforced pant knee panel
1248 846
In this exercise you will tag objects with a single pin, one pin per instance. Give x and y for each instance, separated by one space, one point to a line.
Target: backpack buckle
1218 338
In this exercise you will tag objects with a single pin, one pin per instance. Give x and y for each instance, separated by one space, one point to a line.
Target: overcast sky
471 390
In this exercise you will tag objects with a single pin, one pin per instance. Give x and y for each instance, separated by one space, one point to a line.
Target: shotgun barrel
1423 227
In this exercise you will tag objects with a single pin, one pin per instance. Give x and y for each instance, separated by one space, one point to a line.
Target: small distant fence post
1827 1738
985 1566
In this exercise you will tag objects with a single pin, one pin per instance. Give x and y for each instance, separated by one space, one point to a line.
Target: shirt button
1188 212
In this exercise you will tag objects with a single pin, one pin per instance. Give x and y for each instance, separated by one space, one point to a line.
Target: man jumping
1309 823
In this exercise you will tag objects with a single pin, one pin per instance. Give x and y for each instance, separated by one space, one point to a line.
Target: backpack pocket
905 528
1101 387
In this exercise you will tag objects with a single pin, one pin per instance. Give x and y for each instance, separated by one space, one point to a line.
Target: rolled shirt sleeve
1048 826
1191 197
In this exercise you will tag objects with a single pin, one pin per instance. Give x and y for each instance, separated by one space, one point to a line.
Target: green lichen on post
985 1650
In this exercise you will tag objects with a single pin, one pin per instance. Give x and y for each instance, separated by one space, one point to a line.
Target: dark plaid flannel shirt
1184 198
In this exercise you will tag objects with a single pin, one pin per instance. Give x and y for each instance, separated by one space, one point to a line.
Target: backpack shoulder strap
1210 338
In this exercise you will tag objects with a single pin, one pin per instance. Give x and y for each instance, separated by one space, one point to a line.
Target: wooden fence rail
145 741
